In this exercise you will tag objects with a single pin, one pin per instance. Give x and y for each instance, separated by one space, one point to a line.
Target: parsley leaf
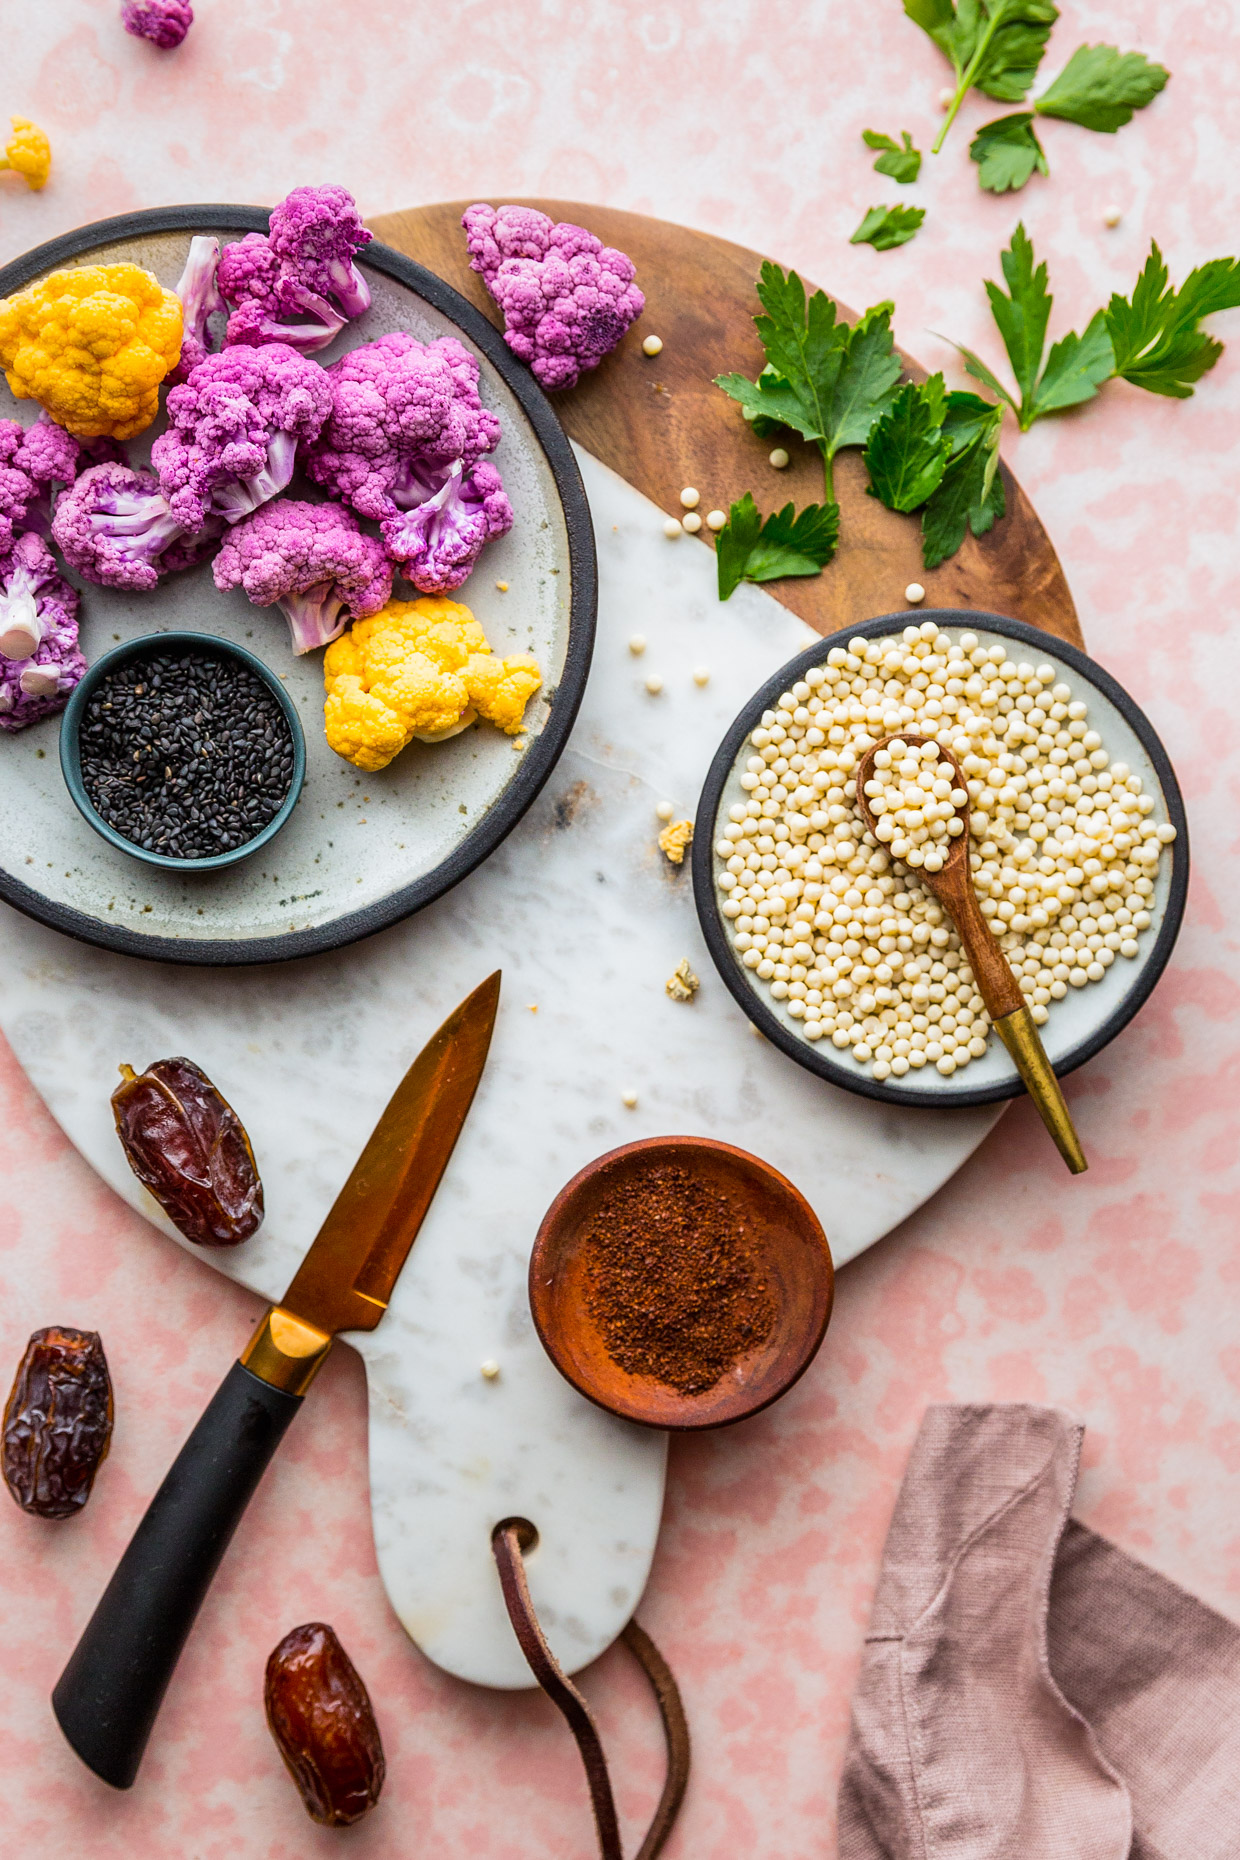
902 164
971 494
827 381
1022 315
907 452
995 45
1010 44
1100 87
1007 152
886 227
751 548
968 415
1157 343
1075 368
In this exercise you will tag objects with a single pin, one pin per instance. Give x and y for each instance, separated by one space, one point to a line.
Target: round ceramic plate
1078 1026
359 851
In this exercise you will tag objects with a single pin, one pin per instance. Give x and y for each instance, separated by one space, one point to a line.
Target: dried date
185 1142
57 1422
320 1716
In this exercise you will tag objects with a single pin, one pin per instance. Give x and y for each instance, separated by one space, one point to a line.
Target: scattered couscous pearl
690 498
1112 216
672 528
652 345
692 522
533 1007
654 684
701 674
490 1368
637 644
779 458
1064 846
716 519
664 810
629 1099
502 586
946 98
914 592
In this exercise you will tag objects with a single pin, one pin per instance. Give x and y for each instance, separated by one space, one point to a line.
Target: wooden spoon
952 885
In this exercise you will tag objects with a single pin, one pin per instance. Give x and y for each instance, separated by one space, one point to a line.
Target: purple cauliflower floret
235 426
40 661
201 298
250 276
310 560
116 529
439 541
314 233
302 269
403 413
164 22
249 270
33 460
567 298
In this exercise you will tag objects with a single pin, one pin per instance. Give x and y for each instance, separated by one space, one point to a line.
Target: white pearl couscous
1064 847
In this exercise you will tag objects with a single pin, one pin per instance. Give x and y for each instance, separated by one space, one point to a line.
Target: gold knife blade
346 1278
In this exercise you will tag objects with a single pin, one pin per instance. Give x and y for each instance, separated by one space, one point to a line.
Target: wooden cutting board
661 423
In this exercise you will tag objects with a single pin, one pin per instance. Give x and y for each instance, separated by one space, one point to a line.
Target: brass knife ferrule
1019 1033
286 1352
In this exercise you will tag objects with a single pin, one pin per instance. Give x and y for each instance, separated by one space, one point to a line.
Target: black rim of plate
539 759
706 894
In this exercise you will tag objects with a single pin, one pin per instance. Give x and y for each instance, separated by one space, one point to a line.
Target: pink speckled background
1116 1294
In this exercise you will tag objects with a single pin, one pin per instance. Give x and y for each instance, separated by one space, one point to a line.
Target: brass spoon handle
1007 1008
1019 1034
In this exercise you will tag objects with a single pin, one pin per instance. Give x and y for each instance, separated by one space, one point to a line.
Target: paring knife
107 1697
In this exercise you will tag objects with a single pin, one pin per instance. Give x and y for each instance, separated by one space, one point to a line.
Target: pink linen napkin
1029 1692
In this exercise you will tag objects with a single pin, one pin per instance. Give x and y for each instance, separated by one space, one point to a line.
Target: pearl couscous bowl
824 933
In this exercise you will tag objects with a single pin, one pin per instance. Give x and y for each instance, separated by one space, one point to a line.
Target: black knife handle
108 1695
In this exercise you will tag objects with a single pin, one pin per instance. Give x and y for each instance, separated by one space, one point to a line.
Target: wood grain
662 424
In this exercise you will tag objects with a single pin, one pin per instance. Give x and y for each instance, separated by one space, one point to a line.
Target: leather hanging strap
675 1732
508 1541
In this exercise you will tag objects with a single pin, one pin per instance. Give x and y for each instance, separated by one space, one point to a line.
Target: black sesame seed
199 782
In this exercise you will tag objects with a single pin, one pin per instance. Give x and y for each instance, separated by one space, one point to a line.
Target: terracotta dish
799 1274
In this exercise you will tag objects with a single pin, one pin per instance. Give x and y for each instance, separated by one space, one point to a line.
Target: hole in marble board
527 1536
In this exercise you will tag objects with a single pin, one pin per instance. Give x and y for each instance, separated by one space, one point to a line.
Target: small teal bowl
71 743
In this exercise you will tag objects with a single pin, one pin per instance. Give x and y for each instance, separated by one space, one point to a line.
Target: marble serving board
587 920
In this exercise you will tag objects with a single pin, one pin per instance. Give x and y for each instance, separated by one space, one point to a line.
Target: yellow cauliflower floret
28 153
92 345
500 689
418 668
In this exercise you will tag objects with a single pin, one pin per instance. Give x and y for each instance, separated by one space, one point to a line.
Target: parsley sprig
1152 339
790 543
826 380
1099 88
996 47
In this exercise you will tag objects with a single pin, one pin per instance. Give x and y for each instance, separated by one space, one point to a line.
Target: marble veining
587 921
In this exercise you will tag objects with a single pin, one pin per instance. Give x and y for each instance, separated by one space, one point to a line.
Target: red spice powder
675 1280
